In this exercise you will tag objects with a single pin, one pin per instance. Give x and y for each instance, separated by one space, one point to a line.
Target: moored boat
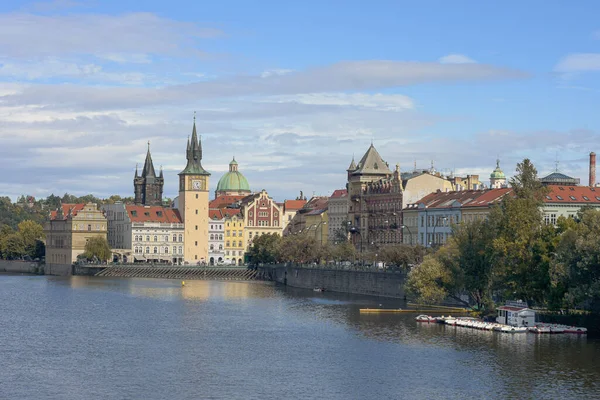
424 318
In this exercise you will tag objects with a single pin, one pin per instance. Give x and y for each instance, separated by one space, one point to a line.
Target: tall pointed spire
148 170
194 154
136 170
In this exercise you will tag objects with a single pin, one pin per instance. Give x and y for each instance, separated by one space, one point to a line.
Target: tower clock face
196 185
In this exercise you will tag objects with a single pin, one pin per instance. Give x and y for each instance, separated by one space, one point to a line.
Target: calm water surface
99 338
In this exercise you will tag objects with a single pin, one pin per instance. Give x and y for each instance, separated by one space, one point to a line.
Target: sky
293 90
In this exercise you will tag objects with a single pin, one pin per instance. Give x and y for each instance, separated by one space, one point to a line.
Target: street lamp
317 229
355 230
409 233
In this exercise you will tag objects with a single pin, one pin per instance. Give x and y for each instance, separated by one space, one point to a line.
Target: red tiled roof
467 198
291 205
573 194
215 213
153 214
75 208
224 201
229 212
339 193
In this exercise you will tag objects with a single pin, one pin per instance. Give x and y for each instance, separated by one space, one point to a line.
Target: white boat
540 329
424 318
450 321
510 329
576 329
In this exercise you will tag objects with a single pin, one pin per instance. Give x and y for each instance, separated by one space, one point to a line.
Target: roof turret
497 173
194 155
148 171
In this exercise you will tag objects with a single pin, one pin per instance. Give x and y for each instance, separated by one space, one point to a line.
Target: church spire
148 170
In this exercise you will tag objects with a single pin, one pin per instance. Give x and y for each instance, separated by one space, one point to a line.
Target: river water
100 338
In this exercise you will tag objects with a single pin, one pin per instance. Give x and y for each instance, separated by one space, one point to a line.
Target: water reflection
315 344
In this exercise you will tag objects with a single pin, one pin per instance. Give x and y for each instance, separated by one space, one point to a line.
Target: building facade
148 188
290 208
233 183
235 241
261 215
216 240
151 234
68 230
337 209
375 201
437 212
566 201
193 203
418 184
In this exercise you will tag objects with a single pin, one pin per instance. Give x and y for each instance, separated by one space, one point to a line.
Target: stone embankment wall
373 283
32 267
175 272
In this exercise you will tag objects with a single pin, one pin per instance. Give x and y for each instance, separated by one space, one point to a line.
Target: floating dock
413 310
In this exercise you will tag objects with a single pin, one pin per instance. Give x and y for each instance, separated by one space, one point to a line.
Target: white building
216 232
566 201
145 233
337 210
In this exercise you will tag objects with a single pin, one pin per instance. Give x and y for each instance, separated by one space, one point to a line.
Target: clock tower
193 202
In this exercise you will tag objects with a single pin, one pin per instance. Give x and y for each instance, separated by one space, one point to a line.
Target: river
102 338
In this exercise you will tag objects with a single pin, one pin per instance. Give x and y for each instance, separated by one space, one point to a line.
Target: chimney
592 169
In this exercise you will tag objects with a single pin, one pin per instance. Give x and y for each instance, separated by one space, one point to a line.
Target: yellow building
68 230
193 203
235 241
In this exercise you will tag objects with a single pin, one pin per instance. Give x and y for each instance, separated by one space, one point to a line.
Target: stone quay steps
190 273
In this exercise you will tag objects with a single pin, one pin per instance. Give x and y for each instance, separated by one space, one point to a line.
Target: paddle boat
425 318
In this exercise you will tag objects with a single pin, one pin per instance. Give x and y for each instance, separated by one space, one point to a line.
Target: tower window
196 195
196 227
196 243
196 212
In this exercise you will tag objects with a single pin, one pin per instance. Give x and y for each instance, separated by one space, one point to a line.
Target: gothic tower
148 187
193 202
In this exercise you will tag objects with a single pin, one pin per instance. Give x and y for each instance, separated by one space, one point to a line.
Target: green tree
97 248
402 255
264 249
343 251
575 271
31 232
520 258
429 282
12 246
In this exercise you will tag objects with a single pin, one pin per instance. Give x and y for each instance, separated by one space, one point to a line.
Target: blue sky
292 90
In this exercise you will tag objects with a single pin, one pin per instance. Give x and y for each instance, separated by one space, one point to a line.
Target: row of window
264 223
217 227
216 237
157 250
139 238
233 244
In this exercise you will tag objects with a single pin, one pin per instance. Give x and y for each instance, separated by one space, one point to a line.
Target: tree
97 248
31 232
429 281
264 249
12 246
575 271
520 259
402 255
343 251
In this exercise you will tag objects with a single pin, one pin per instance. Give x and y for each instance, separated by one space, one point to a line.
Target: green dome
233 181
497 173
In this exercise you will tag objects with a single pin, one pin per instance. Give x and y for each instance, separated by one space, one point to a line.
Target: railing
341 267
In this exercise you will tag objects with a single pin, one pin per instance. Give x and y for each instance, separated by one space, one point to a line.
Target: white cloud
456 59
340 77
94 34
379 101
54 5
579 62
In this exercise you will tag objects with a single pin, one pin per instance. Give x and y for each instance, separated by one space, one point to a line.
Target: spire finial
194 116
148 145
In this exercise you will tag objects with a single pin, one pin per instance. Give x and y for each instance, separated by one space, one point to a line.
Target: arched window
212 237
180 249
174 237
155 250
166 250
166 238
220 247
174 249
180 237
240 243
156 238
227 244
147 238
221 237
147 250
212 246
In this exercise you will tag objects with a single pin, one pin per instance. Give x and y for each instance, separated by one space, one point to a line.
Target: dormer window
586 198
159 213
559 197
134 213
572 197
146 213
